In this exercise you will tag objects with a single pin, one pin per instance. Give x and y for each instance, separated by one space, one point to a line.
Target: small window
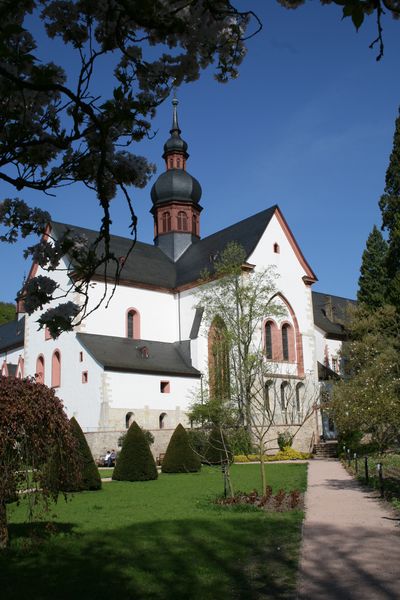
268 340
164 387
276 248
40 369
182 221
85 377
80 356
162 420
133 324
56 369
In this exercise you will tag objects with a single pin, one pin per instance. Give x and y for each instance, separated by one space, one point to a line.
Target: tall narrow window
285 342
182 221
133 324
162 420
284 395
268 339
267 396
129 418
166 222
40 369
194 225
56 369
299 396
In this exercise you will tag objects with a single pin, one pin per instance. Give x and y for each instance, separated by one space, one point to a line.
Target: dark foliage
373 279
390 208
147 434
135 461
89 477
198 440
218 450
7 312
180 457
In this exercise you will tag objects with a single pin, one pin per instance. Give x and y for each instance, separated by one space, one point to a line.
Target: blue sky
307 125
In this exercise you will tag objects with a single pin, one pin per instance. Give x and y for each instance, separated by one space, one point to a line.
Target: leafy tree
180 457
390 208
218 451
373 279
56 129
33 427
368 399
7 312
135 461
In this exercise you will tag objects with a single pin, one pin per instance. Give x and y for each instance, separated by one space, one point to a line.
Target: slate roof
12 334
148 265
140 356
325 373
331 314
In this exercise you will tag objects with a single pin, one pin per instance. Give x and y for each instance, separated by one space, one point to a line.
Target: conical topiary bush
180 457
218 449
135 461
90 478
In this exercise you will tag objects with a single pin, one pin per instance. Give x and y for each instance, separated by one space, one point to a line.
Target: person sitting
111 458
107 458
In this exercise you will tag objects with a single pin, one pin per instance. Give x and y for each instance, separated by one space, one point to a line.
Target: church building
144 357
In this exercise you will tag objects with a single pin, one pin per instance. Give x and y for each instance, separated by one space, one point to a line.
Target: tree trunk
3 526
262 468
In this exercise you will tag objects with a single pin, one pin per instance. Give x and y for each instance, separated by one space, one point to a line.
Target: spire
175 148
175 126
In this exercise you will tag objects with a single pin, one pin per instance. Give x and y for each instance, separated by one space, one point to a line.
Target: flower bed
286 454
279 502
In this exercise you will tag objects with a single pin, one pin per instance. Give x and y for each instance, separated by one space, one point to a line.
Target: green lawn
159 540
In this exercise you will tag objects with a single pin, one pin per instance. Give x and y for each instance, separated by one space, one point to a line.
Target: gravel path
351 541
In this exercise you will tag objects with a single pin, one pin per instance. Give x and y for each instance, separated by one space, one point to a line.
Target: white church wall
11 356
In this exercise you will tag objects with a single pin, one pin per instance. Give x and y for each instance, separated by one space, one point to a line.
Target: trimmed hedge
135 461
218 449
87 476
180 457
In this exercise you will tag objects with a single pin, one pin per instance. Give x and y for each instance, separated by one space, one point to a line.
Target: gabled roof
147 265
140 356
12 334
326 374
331 314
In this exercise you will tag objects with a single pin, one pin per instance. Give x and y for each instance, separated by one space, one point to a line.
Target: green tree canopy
7 312
390 208
180 457
373 279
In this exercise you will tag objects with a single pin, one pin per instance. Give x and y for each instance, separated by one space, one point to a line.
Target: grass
163 540
391 474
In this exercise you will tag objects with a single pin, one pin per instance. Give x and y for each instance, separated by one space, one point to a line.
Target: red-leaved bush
33 429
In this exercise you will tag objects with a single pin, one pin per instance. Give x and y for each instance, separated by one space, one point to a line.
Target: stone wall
101 441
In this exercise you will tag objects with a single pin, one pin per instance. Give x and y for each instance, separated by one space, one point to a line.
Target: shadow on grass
231 557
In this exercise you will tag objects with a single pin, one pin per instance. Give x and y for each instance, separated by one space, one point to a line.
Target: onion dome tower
175 196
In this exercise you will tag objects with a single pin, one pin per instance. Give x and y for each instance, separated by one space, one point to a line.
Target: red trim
4 369
55 382
136 323
20 368
312 278
276 341
40 373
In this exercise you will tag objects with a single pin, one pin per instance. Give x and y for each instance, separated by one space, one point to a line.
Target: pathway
351 541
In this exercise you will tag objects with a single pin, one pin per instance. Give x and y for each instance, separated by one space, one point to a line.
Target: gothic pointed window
268 339
182 221
287 342
166 222
40 369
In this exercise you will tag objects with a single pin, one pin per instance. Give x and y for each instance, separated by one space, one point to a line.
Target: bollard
380 476
356 462
366 469
348 457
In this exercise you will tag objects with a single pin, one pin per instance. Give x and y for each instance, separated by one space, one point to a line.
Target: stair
324 450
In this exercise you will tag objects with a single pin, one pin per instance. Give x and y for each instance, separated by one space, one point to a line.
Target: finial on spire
175 126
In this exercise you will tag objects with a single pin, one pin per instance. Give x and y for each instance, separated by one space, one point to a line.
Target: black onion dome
176 184
175 144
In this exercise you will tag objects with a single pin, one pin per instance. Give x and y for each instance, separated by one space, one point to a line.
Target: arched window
40 369
178 163
182 221
284 395
287 342
166 222
299 397
162 420
268 339
267 395
276 248
129 418
133 324
56 369
194 224
218 360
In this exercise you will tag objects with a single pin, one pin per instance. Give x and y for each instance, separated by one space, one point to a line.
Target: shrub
284 440
88 477
179 457
135 461
147 434
239 441
198 441
286 454
218 450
